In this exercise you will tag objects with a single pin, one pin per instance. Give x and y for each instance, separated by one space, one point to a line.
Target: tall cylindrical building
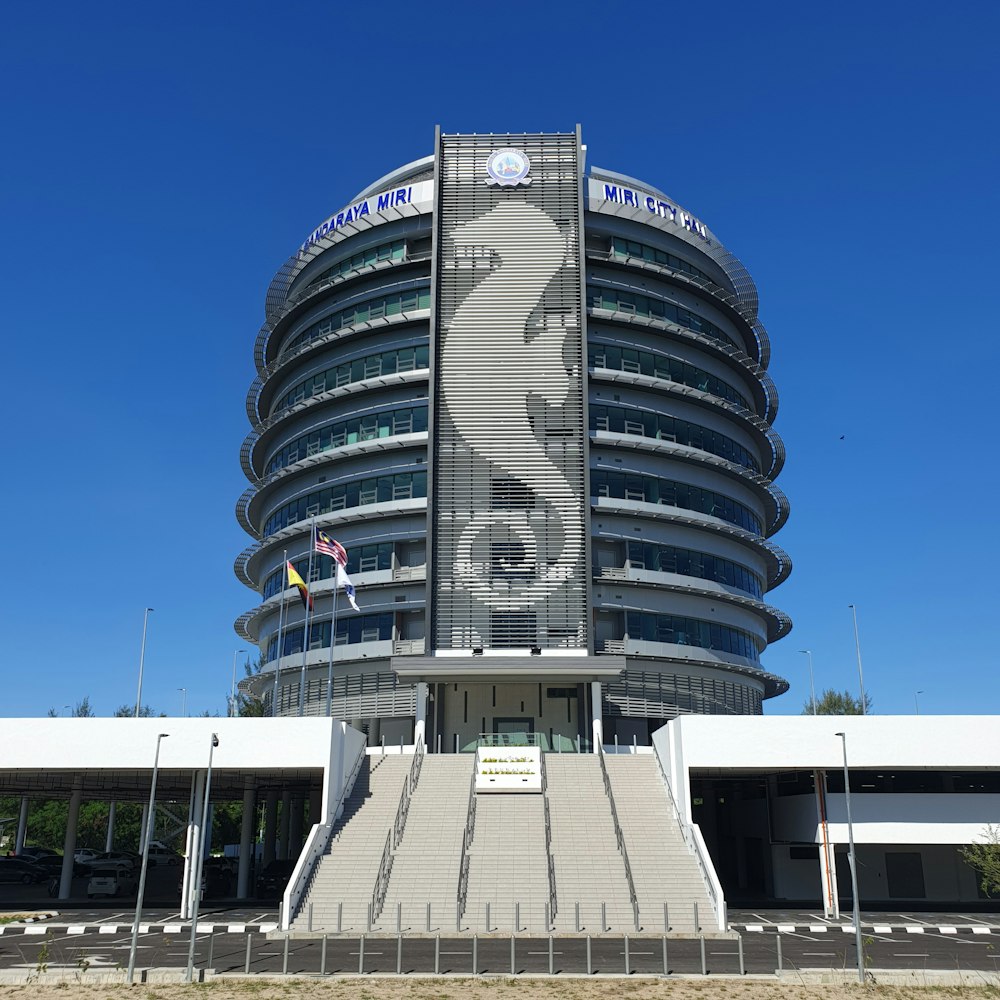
530 399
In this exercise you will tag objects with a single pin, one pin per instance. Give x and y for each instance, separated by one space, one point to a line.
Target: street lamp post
200 860
812 683
232 696
145 860
916 703
857 646
184 700
854 865
142 660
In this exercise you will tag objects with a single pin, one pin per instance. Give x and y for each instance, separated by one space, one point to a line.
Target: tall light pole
812 684
142 660
854 864
857 646
916 703
232 696
145 860
184 700
199 864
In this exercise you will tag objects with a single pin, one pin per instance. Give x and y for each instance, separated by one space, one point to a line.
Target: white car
110 882
160 855
84 855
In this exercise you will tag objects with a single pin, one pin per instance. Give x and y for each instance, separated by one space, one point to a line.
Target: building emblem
508 167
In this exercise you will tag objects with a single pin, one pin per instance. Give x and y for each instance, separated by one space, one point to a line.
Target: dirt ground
495 989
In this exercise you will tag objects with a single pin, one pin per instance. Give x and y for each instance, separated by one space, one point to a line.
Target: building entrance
514 730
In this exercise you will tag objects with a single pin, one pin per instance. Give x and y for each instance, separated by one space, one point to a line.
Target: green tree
832 702
145 712
82 709
984 857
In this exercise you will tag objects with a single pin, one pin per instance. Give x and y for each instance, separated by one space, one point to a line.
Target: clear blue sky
160 162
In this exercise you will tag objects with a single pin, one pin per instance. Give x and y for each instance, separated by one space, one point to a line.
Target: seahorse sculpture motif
493 318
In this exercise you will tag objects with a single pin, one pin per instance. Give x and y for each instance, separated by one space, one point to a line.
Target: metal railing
381 880
697 848
409 787
511 739
317 844
553 902
470 832
620 837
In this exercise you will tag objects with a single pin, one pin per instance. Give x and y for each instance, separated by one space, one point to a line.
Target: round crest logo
508 167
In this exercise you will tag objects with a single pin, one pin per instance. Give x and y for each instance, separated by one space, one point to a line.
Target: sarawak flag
343 580
330 547
294 580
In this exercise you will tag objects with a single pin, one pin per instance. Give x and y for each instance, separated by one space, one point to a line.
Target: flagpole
305 633
333 637
281 615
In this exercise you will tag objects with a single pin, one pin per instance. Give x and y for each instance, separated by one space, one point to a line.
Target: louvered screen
509 485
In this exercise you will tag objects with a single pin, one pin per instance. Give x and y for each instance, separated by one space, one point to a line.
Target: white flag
343 580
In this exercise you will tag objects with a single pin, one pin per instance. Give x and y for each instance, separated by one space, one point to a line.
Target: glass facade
644 423
689 562
631 248
351 629
690 632
385 251
360 559
651 489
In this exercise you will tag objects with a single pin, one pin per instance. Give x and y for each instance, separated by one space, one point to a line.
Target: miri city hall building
530 399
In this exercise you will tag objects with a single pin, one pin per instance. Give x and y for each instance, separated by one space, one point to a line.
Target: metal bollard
399 954
456 742
458 917
211 947
704 965
517 918
666 919
246 965
340 917
382 742
428 918
489 927
697 923
552 970
604 917
437 954
547 925
361 956
475 954
400 746
743 968
513 966
438 742
778 939
284 959
578 744
635 914
590 965
577 918
369 921
322 957
310 920
666 967
399 918
616 743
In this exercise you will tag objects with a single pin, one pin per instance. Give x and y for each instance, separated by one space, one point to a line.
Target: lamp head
839 734
162 736
215 739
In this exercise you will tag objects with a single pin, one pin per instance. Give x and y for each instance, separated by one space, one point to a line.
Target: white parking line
107 929
34 929
818 928
76 929
980 930
172 928
947 930
882 929
786 928
236 928
825 954
755 928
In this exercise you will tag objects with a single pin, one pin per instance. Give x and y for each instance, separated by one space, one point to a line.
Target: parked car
113 859
85 854
160 855
272 880
21 870
114 881
217 880
29 852
51 865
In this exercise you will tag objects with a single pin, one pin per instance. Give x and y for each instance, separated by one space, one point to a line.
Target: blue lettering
611 192
650 203
383 201
629 198
364 209
339 220
401 196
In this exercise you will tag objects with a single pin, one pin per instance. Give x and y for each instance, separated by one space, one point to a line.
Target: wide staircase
426 865
345 876
589 868
663 869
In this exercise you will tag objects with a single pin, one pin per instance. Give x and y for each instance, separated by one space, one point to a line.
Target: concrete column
596 718
270 827
143 826
193 841
69 844
827 855
109 839
295 823
22 826
246 843
286 818
420 725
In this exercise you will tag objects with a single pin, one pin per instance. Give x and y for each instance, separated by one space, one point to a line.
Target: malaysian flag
329 547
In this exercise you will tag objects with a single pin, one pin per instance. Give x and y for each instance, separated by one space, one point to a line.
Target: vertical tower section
509 551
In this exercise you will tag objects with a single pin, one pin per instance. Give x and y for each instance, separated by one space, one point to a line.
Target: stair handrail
696 846
470 832
409 787
620 837
382 878
317 844
550 862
